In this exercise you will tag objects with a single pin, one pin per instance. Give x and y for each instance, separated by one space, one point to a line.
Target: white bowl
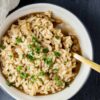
85 44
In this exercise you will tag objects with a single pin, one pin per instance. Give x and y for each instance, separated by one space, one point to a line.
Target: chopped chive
18 40
58 81
28 67
34 39
38 49
37 44
23 75
23 55
45 50
65 62
57 54
30 56
10 56
19 68
30 46
2 46
33 78
42 73
56 78
48 61
57 37
55 70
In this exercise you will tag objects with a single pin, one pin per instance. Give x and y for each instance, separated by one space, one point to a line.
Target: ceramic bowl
85 44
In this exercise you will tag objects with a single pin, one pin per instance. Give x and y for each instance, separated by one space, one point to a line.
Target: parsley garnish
57 37
2 46
33 78
48 61
10 56
30 56
57 54
30 46
45 50
58 81
55 70
23 75
38 49
28 67
18 40
19 68
42 73
34 39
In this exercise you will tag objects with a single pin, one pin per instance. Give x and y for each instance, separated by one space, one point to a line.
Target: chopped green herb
45 50
57 54
38 49
58 81
48 61
19 68
30 46
23 75
30 56
28 67
37 44
2 46
65 62
33 78
57 37
56 78
10 56
34 39
55 70
42 73
23 55
44 55
18 40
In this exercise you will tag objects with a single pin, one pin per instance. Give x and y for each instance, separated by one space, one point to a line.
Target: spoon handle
92 64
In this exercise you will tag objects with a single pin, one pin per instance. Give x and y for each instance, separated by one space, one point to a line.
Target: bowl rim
49 4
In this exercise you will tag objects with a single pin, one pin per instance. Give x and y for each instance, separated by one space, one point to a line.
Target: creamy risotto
36 56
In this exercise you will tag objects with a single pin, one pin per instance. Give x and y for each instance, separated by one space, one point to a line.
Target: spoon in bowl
84 60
